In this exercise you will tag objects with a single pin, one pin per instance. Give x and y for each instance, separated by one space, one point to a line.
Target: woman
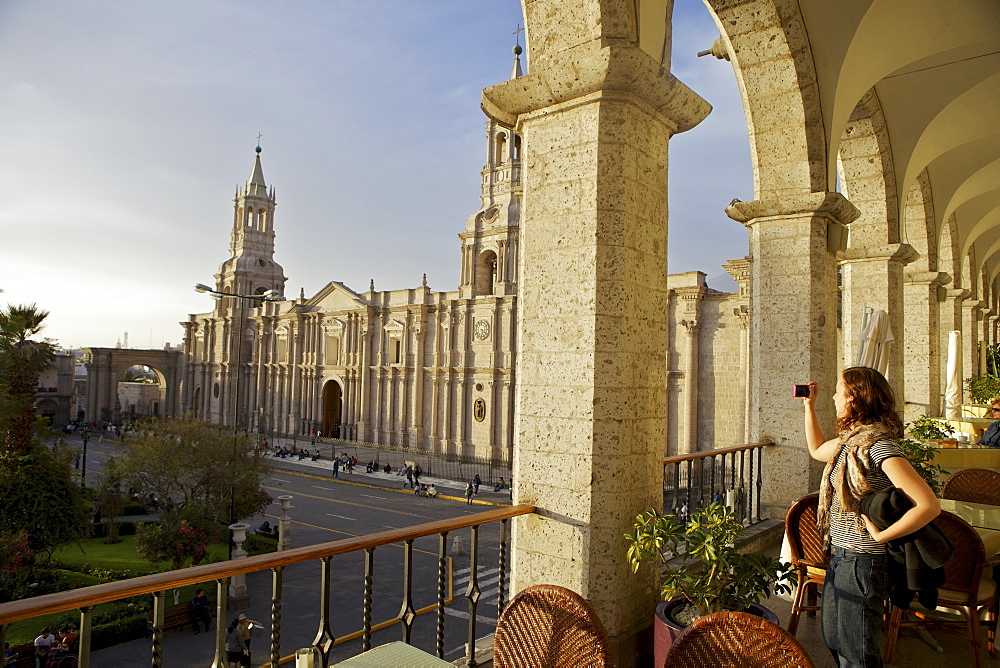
991 438
236 649
861 460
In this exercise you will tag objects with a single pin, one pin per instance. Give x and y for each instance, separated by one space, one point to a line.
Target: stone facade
413 367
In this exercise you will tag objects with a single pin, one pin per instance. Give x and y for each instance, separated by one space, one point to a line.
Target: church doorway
331 409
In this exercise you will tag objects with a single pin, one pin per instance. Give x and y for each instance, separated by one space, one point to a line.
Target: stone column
596 118
689 443
970 337
285 524
921 351
793 319
873 277
742 313
239 598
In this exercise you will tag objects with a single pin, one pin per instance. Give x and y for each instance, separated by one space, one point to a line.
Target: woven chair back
736 639
965 568
804 539
551 626
974 485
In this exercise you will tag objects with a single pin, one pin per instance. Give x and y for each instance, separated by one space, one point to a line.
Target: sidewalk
396 479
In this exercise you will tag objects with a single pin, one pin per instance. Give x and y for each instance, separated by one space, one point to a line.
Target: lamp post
269 296
85 434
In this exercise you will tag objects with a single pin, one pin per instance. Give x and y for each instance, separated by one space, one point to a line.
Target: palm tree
22 359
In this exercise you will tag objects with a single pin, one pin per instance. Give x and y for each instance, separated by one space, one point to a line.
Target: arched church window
397 351
486 273
257 303
262 220
501 154
516 153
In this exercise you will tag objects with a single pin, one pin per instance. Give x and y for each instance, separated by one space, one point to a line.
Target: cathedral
412 367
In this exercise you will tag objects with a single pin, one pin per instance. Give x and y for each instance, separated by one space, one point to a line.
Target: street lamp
85 434
269 296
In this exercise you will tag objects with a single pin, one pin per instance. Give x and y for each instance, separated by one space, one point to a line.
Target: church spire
251 268
255 184
516 70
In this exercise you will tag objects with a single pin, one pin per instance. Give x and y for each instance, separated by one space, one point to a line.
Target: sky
125 128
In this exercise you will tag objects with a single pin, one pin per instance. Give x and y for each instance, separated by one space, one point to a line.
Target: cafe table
394 654
985 519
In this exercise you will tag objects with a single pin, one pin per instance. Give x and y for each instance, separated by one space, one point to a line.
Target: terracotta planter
666 630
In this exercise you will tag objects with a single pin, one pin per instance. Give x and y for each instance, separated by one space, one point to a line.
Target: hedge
118 631
126 528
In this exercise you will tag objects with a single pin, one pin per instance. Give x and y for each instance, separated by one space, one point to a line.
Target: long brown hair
872 400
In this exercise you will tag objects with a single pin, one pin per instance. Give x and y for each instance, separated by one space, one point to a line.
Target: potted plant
920 450
703 569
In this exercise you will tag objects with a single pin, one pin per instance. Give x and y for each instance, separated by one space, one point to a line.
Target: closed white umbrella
873 344
953 377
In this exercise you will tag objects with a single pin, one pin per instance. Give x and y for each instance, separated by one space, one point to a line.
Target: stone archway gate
105 367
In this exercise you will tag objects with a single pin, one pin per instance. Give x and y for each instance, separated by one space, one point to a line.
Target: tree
195 468
39 496
176 539
22 359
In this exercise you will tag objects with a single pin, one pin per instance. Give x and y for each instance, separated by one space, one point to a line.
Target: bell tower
251 269
489 242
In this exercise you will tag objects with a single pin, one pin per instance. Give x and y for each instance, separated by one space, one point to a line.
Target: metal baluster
712 479
324 636
677 485
366 615
741 502
472 594
221 612
407 613
159 612
687 488
732 475
84 646
760 477
276 577
502 583
442 576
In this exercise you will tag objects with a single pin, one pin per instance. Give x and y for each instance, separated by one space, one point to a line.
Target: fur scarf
851 480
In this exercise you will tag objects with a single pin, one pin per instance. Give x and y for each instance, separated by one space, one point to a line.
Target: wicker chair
968 589
808 557
550 626
724 639
975 485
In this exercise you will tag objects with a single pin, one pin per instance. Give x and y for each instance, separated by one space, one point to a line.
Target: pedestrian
409 477
201 611
416 474
468 493
336 468
499 485
236 649
42 645
476 482
863 459
247 627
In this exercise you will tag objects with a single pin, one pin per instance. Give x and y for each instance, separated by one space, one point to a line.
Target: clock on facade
482 329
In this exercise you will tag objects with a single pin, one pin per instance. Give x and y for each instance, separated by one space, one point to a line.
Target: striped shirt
843 531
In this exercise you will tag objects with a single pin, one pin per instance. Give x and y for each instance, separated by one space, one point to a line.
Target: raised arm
819 449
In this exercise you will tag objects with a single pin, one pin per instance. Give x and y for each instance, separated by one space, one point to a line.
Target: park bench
24 656
174 617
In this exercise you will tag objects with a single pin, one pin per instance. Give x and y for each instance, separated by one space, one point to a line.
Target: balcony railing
729 475
86 598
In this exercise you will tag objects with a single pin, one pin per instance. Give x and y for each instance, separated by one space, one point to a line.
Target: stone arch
768 46
486 272
333 405
106 365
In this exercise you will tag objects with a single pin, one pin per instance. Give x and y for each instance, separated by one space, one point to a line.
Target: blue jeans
856 586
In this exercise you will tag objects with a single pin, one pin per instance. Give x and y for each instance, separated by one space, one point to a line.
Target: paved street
327 509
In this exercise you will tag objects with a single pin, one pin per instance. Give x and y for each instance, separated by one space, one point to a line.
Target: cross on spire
517 34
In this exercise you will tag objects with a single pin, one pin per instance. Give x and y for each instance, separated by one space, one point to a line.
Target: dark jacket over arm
916 561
